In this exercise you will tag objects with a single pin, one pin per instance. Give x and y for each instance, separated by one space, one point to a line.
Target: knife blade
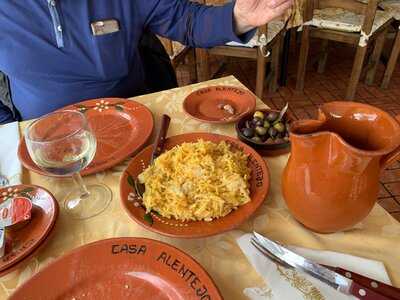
331 278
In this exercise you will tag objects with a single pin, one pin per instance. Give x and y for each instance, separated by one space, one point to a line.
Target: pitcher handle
393 156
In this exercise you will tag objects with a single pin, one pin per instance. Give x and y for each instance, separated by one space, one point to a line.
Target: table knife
354 284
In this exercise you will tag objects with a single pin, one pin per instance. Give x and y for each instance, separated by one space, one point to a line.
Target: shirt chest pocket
111 55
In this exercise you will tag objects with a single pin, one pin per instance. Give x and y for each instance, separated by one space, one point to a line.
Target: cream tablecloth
377 237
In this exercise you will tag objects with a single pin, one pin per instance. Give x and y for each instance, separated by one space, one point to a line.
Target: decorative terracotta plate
23 241
259 186
207 104
121 268
121 127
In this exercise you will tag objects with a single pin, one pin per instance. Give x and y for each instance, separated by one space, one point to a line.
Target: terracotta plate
21 242
259 186
205 104
121 127
130 268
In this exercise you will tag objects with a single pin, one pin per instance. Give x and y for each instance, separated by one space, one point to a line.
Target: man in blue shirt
58 52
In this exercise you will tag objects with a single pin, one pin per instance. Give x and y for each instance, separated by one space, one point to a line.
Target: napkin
283 283
10 165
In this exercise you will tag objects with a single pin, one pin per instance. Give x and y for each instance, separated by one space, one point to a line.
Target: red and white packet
13 211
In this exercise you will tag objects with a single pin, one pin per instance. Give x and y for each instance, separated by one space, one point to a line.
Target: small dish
262 147
27 239
219 104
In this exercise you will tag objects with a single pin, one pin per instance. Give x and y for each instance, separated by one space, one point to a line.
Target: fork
157 150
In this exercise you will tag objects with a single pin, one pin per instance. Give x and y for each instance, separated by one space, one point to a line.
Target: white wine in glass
62 143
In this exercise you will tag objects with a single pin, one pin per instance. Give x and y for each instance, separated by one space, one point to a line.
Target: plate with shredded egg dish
201 185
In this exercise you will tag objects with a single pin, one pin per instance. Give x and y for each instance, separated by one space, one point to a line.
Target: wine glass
62 143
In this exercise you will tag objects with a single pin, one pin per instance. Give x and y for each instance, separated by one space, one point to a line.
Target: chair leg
392 61
285 58
261 67
202 65
275 58
192 66
324 56
375 58
356 72
301 71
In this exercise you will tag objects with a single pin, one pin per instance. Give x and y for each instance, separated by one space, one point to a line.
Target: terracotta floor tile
279 102
375 91
383 193
300 104
390 176
329 85
300 113
312 111
326 95
363 93
390 204
393 188
395 165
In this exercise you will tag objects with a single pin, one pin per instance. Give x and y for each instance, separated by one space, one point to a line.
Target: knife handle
160 139
362 292
370 284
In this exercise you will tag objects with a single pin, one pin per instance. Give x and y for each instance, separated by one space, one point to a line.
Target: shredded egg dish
197 181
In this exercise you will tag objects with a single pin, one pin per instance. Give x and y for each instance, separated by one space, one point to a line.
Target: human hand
249 14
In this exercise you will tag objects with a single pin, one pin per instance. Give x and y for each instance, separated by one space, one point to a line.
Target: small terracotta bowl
262 148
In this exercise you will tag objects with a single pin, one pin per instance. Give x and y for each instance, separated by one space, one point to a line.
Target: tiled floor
320 88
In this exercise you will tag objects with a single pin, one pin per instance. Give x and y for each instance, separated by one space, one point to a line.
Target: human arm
205 26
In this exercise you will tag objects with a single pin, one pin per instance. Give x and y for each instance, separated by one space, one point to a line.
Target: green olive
266 124
259 114
261 130
280 127
256 139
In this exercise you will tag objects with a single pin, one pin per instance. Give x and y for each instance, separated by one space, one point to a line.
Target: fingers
278 3
280 9
284 7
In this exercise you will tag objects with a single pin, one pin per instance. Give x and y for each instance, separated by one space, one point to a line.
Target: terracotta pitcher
331 180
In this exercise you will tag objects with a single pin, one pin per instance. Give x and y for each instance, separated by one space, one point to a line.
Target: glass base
91 205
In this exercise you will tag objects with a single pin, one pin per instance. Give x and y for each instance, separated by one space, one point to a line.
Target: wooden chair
355 22
270 34
262 54
180 54
393 8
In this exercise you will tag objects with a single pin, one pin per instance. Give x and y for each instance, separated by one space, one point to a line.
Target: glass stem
79 182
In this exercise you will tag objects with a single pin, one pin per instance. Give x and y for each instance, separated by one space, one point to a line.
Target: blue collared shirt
52 59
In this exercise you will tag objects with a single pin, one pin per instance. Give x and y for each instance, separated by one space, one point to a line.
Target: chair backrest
366 8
